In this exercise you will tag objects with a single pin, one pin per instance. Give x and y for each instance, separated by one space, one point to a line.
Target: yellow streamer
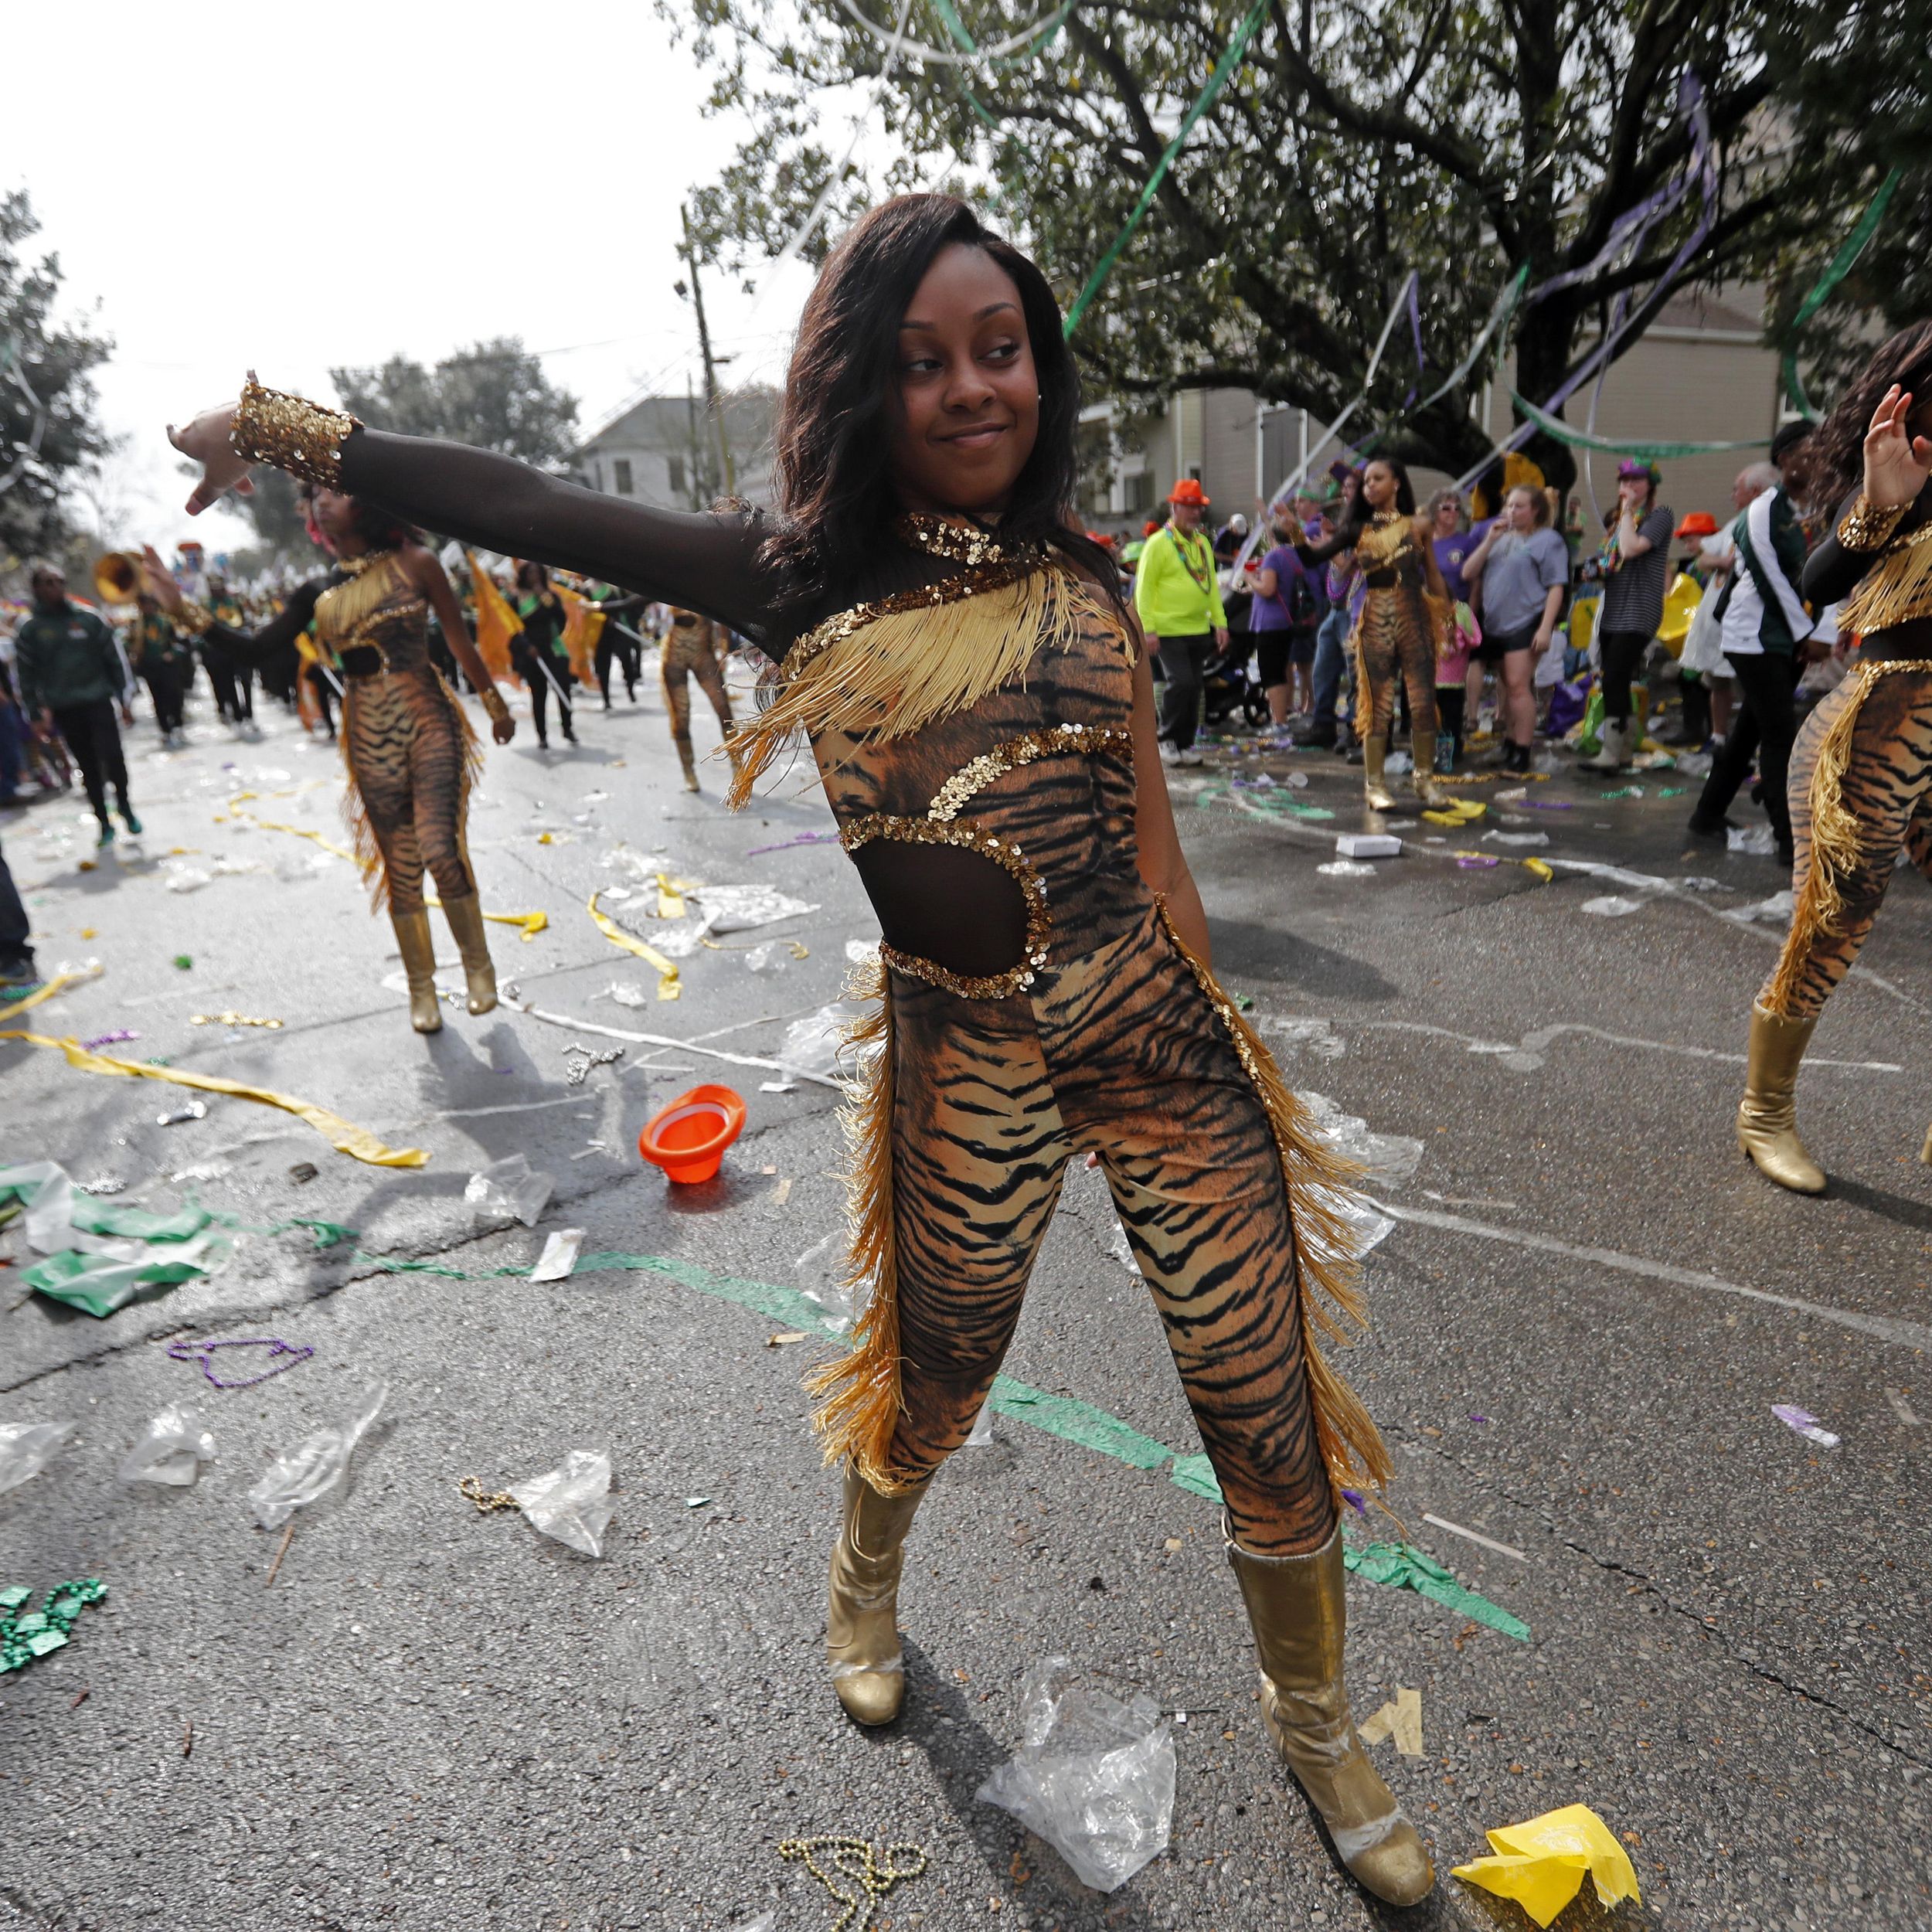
530 924
667 985
671 894
345 1136
47 991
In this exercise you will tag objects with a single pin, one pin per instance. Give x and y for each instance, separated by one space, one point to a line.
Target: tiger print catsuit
694 647
1396 629
409 751
1861 768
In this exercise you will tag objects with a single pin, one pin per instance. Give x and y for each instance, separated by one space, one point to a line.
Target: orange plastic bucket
688 1138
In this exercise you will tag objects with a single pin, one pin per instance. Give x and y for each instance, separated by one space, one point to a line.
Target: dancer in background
694 646
409 752
164 662
1403 624
982 717
537 650
1860 790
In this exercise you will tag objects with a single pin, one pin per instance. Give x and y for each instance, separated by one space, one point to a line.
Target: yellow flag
496 623
582 626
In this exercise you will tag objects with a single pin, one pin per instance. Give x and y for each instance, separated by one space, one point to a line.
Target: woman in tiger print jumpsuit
694 647
410 753
1860 784
1404 607
956 654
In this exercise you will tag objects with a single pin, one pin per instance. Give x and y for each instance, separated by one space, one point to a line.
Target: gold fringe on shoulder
1834 835
1897 588
890 668
1327 1270
858 1408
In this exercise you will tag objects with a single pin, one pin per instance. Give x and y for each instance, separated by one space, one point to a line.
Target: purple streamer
804 838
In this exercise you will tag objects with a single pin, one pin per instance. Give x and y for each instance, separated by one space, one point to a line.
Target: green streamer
1853 246
1613 445
1223 67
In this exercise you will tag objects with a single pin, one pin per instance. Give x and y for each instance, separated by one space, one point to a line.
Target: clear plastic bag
1383 1157
1093 1776
293 1481
814 1044
510 1190
27 1447
171 1452
820 1271
573 1504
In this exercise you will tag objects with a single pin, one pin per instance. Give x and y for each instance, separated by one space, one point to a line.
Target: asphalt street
434 1716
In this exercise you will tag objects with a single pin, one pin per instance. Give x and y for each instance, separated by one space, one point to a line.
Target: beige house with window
1701 373
663 451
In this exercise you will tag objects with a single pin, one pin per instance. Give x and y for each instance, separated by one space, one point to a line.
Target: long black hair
1834 458
836 500
381 530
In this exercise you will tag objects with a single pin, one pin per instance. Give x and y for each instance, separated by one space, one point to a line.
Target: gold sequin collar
966 543
355 565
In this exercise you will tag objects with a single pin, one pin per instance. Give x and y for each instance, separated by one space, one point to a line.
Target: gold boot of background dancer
1767 1115
419 965
1422 776
465 915
1297 1607
1375 754
861 1615
690 764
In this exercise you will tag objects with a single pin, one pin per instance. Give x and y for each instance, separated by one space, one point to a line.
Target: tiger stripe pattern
694 647
1113 1048
1887 789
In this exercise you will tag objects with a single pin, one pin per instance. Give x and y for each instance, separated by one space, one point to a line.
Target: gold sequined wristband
300 437
1865 527
193 619
493 703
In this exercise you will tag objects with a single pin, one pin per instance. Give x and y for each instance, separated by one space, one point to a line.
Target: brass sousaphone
117 578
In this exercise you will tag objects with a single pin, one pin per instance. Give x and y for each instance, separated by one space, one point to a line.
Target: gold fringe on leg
1326 1269
860 1402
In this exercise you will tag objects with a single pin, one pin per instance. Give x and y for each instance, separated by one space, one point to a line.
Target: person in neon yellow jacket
1177 594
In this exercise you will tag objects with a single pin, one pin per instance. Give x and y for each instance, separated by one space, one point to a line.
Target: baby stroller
1228 683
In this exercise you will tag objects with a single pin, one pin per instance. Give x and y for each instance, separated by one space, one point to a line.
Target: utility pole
712 407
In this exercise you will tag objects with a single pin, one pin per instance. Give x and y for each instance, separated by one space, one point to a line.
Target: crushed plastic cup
688 1137
1806 1424
1093 1776
820 1273
560 1255
27 1447
1759 841
813 1045
626 995
171 1451
572 1504
1612 905
770 956
511 1190
306 1473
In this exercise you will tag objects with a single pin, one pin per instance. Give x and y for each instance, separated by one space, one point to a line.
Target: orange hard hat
1189 490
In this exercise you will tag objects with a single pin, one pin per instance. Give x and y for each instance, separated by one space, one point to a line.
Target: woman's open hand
503 729
206 440
1896 462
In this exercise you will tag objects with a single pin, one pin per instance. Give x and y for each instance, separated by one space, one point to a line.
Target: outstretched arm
1343 536
277 634
708 562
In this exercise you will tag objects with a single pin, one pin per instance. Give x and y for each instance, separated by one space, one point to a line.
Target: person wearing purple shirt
1290 599
1344 591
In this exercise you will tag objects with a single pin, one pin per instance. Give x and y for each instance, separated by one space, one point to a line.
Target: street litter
1385 1157
580 1060
187 1110
1399 1720
27 1447
738 908
771 957
625 995
281 1356
1758 840
233 1019
862 952
688 1138
1611 906
1542 1862
1093 1776
778 1087
1474 1536
171 1451
1777 907
292 1482
303 1171
820 1271
97 1257
1903 1409
852 1860
509 1189
981 1435
1805 1424
813 1045
1517 838
560 1255
1367 845
1345 868
803 839
26 1635
114 1039
572 1504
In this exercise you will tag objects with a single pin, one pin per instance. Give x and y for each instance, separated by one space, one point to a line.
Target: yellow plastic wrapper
1541 1863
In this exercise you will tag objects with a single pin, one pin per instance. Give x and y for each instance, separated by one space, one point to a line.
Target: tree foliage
1465 139
493 395
54 359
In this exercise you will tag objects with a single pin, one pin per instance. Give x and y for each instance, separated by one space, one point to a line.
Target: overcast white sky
288 187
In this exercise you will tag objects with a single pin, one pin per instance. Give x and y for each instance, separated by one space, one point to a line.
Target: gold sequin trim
294 434
1065 740
953 589
957 542
1865 527
1005 854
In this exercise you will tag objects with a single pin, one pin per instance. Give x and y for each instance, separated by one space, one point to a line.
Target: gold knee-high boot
1767 1115
465 915
1375 753
690 764
862 1621
1296 1605
419 964
1422 775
